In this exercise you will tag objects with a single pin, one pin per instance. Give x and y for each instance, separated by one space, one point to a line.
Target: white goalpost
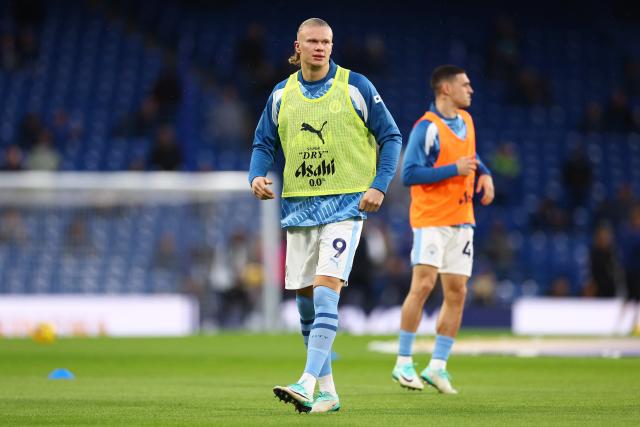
144 233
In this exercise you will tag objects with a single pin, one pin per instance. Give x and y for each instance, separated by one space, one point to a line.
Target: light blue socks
307 316
442 347
323 331
406 340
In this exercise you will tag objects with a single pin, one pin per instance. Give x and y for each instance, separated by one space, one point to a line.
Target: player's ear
445 88
296 46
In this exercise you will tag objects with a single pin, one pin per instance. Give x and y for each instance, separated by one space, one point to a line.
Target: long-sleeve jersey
317 210
423 150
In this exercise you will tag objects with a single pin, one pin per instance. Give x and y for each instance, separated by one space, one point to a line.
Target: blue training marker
61 374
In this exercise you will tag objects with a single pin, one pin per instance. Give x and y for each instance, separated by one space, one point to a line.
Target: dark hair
295 58
444 72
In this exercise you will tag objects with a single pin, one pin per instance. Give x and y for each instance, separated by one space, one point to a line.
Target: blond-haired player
326 121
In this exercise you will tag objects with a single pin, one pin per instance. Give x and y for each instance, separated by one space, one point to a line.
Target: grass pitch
227 380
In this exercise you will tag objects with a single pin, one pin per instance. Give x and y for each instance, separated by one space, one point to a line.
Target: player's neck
446 108
313 74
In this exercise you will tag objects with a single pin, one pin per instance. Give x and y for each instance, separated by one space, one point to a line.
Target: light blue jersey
317 210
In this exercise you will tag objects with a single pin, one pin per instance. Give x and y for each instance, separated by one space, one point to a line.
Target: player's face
461 90
314 45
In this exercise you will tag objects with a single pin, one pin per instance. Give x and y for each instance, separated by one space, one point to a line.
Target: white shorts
324 250
449 249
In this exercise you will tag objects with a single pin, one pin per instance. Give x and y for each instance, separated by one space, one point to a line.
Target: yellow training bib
327 147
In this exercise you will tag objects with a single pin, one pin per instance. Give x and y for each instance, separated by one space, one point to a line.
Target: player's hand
260 188
485 184
466 165
371 200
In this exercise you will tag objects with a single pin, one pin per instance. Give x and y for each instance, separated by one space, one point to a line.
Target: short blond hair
295 58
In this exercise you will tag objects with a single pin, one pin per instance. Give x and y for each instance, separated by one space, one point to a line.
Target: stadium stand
104 77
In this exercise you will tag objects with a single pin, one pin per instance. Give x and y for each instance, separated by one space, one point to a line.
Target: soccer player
326 120
440 165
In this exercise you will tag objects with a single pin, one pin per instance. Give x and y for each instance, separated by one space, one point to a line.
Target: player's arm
485 183
378 120
421 155
482 167
265 141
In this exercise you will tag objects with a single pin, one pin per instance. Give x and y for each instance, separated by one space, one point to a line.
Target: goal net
201 234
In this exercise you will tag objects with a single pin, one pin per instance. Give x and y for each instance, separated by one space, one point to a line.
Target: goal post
100 233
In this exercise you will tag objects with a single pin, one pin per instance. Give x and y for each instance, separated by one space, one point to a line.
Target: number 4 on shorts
467 249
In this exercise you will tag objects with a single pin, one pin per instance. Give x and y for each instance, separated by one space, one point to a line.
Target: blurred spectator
19 43
77 240
378 241
616 210
503 59
166 256
13 230
142 123
529 88
250 49
167 91
593 118
198 266
376 55
369 58
9 58
137 164
228 275
200 259
506 172
256 74
380 247
605 268
631 252
12 159
577 173
252 278
549 217
618 117
560 287
397 281
63 130
238 252
43 156
632 76
361 290
483 287
499 249
27 45
30 129
228 124
352 54
158 108
166 154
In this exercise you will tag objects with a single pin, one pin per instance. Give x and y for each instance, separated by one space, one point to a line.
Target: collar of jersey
331 74
433 109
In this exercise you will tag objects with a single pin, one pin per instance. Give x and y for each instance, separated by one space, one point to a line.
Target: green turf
227 380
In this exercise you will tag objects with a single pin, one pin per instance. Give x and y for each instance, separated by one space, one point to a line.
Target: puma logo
307 127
